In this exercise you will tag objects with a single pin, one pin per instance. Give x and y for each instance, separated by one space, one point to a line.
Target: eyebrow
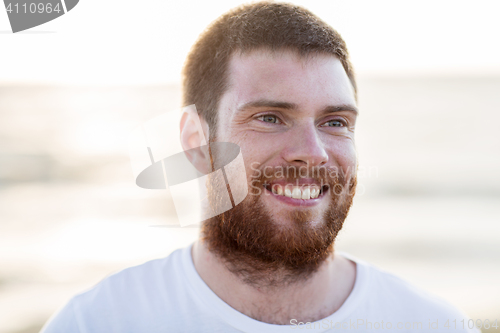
292 106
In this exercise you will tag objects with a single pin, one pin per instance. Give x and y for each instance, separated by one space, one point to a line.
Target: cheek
345 156
255 147
248 148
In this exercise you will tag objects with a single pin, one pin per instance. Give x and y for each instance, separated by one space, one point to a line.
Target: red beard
265 253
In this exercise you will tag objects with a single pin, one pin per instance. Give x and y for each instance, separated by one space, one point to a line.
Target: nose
304 146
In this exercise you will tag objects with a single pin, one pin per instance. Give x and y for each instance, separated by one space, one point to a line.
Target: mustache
324 178
292 172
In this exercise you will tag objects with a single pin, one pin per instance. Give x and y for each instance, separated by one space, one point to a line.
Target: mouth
304 195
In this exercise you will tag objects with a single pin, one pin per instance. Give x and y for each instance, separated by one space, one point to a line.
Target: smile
297 195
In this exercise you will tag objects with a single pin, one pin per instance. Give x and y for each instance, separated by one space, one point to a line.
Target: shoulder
137 279
132 295
388 295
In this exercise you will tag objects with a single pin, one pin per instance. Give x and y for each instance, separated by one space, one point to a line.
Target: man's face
290 113
271 134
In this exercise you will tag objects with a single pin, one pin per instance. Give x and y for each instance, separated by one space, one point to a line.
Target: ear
193 129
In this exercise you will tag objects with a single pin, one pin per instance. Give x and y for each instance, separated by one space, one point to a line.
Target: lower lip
296 202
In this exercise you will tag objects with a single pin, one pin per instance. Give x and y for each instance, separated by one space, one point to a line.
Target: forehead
311 82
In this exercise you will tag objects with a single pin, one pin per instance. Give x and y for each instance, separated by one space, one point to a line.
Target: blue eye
335 123
269 119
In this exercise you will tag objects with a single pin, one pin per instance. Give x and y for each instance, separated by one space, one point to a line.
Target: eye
335 123
269 118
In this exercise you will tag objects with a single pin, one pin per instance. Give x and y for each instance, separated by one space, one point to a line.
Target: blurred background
71 90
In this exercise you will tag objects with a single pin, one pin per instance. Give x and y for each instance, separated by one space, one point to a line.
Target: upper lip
295 182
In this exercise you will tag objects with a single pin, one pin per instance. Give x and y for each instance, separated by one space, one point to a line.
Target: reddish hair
270 25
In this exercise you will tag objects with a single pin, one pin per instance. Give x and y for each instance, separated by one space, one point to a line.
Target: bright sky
142 42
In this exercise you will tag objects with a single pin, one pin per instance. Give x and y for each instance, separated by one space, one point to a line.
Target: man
275 80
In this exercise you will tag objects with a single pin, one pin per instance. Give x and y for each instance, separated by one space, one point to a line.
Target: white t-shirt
168 295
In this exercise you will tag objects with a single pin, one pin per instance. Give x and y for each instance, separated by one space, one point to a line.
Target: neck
275 298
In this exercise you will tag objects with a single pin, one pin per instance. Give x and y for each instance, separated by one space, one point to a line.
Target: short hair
271 25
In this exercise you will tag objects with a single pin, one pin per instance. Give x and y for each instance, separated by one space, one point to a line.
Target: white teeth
306 194
296 192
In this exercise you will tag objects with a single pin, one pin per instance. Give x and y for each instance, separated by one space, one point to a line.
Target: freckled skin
294 137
